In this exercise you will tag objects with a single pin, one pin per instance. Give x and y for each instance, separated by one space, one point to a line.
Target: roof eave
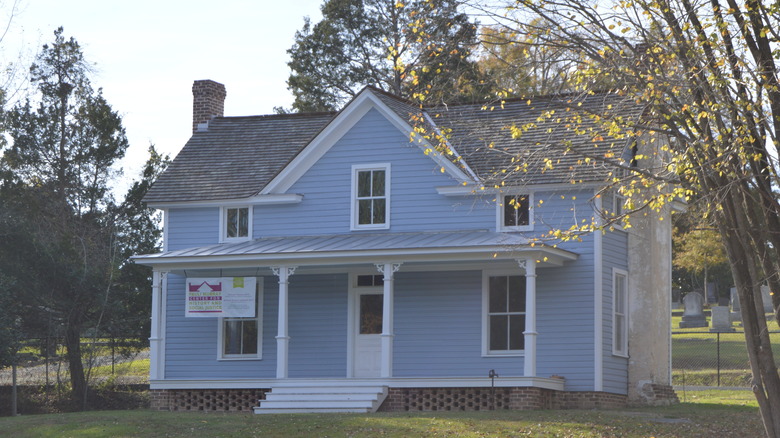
544 255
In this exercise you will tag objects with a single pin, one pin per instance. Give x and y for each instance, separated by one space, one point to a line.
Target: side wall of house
615 256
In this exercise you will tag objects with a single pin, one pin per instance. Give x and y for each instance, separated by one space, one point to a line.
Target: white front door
367 326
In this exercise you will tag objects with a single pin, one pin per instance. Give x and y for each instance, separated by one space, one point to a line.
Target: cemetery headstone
693 315
720 319
767 298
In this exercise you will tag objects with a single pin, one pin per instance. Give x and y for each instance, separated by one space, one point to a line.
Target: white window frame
619 313
500 207
223 212
258 317
354 210
486 351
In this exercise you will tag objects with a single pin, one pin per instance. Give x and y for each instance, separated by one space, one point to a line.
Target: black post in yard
718 358
492 374
113 359
14 411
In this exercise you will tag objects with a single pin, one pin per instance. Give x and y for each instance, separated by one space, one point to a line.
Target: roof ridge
281 116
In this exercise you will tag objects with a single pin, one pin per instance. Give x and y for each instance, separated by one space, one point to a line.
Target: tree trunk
75 365
742 251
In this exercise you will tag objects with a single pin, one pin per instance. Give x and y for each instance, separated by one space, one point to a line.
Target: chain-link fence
42 361
703 358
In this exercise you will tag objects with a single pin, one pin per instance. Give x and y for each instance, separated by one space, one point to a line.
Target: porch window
619 313
506 314
515 212
236 223
370 197
241 338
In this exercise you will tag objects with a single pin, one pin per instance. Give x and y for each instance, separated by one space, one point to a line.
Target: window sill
621 355
516 229
239 358
369 227
234 239
509 354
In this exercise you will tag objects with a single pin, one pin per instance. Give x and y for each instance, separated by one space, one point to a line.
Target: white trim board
393 382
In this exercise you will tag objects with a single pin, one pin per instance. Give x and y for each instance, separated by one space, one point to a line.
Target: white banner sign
232 297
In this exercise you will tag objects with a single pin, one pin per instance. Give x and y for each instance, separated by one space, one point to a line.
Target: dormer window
236 223
370 197
515 212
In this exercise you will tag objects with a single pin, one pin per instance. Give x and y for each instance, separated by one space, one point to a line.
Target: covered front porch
405 318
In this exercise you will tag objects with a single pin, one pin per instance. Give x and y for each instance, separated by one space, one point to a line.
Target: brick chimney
208 101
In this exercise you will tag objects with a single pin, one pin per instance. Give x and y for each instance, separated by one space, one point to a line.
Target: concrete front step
291 399
327 389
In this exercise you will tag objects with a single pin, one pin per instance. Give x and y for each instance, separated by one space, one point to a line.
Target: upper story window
515 212
371 197
236 223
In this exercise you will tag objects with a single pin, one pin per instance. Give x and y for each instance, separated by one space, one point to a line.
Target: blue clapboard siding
191 343
414 203
192 227
318 326
615 255
438 327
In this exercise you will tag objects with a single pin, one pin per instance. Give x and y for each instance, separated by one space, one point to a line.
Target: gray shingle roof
555 128
238 156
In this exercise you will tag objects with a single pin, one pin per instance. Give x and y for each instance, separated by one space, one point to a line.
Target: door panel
368 340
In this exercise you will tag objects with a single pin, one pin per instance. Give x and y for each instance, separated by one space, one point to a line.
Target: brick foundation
481 399
413 399
206 400
653 394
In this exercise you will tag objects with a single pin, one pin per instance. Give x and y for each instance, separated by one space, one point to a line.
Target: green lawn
706 414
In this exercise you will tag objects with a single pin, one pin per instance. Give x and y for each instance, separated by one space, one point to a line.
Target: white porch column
157 337
282 336
388 269
530 316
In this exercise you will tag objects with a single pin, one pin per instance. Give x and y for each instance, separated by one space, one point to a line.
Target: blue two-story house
392 257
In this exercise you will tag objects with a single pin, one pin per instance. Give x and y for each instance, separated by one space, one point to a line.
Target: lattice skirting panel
482 399
206 400
446 399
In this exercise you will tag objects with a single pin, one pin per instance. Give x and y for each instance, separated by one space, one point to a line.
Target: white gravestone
720 319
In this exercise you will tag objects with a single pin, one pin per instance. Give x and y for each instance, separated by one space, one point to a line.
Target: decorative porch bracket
282 336
157 337
387 269
529 266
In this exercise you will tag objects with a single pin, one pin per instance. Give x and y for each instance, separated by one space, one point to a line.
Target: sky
147 53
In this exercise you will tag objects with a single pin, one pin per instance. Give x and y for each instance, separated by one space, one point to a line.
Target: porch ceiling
361 248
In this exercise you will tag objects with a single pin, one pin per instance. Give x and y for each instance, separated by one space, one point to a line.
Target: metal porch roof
361 248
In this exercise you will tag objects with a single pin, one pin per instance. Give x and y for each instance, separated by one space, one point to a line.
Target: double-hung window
236 223
619 312
505 314
241 338
371 197
515 212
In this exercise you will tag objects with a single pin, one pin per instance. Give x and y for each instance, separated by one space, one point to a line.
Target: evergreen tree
400 47
66 239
